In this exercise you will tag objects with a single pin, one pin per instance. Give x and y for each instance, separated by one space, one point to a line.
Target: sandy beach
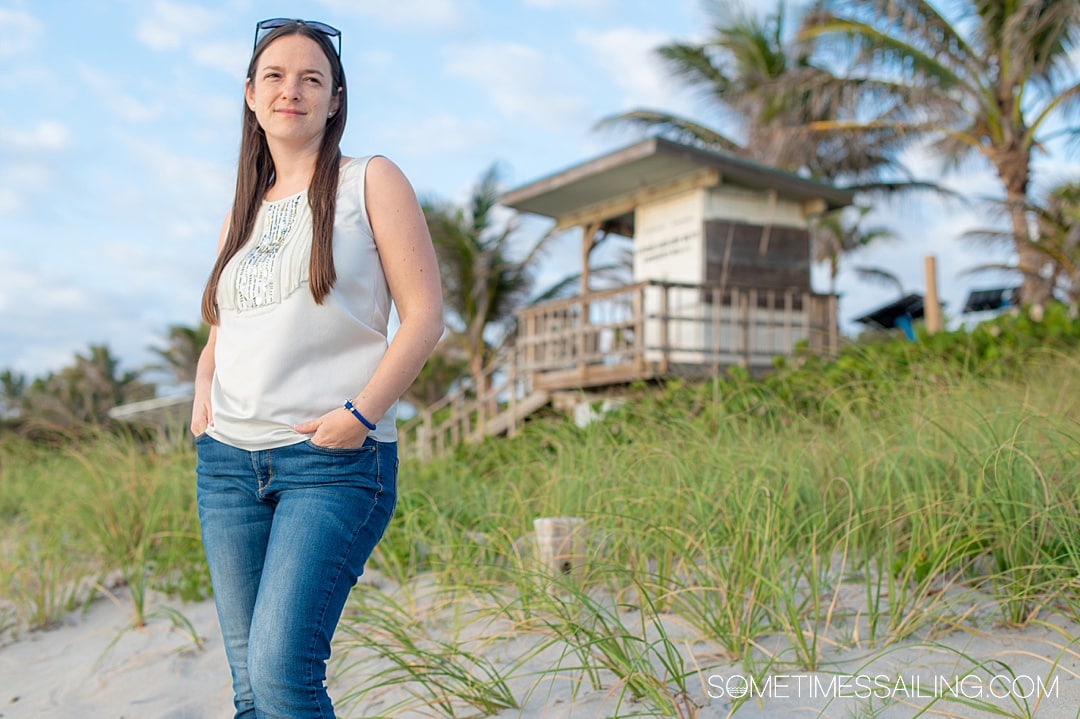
95 666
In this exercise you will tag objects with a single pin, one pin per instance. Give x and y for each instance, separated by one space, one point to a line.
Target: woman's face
292 91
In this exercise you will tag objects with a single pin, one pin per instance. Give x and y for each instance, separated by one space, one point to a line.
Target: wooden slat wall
774 257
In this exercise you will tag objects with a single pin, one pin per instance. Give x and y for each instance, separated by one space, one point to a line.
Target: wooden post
458 426
715 308
932 305
832 317
789 309
809 322
664 343
560 545
639 329
479 430
531 359
744 323
770 322
588 238
511 381
426 437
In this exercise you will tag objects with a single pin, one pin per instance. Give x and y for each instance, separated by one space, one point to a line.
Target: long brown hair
255 175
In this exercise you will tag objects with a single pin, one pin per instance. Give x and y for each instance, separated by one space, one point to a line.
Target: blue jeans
286 533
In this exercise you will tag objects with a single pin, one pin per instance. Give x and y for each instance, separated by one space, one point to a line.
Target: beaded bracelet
356 413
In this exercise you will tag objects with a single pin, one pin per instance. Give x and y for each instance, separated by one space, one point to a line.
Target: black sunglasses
265 26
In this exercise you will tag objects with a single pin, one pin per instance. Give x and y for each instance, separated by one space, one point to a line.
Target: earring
330 115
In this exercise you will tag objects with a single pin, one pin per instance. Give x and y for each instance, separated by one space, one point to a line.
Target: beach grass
76 521
728 523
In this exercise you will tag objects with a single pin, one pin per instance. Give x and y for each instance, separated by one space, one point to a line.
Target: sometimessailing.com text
881 686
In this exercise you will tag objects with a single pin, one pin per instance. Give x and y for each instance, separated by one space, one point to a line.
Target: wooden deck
645 331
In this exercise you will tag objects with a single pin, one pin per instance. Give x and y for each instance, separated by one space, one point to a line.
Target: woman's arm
201 414
412 272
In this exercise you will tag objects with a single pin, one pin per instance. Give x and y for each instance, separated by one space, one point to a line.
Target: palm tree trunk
1014 172
1035 288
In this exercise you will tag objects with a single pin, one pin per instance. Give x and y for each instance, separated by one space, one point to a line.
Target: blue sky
119 130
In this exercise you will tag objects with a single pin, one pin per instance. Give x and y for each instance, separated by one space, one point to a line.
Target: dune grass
947 500
728 524
76 521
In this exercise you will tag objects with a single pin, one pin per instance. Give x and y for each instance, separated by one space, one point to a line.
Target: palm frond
880 276
692 65
673 127
989 267
1066 103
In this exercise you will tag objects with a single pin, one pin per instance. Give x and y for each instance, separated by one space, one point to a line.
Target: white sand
158 672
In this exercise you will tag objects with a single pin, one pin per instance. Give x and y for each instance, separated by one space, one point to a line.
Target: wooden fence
643 331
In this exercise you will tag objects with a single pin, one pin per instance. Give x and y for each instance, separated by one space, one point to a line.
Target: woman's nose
290 89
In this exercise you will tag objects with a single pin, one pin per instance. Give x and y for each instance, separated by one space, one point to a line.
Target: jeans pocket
367 447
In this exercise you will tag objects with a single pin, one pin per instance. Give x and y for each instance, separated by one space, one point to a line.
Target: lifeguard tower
721 277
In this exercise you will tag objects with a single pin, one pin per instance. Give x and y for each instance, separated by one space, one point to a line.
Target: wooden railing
653 329
637 332
497 402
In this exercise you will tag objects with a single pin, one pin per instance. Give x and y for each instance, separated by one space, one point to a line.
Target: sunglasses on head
265 26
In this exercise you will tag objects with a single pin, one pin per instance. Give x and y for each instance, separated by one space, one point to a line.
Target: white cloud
30 175
46 136
375 60
408 14
124 294
19 32
39 307
198 193
30 158
522 82
10 205
172 25
27 183
211 178
588 5
157 37
442 134
230 58
628 55
103 85
429 13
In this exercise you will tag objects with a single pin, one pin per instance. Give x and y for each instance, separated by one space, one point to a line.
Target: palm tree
446 366
13 385
483 282
181 353
1056 242
85 391
993 80
839 232
1058 223
770 90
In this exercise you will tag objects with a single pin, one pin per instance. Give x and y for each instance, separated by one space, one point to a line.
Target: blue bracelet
356 413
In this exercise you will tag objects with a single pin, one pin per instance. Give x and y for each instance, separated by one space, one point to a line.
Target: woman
295 397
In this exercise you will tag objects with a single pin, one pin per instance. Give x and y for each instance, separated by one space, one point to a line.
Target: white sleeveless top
280 358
